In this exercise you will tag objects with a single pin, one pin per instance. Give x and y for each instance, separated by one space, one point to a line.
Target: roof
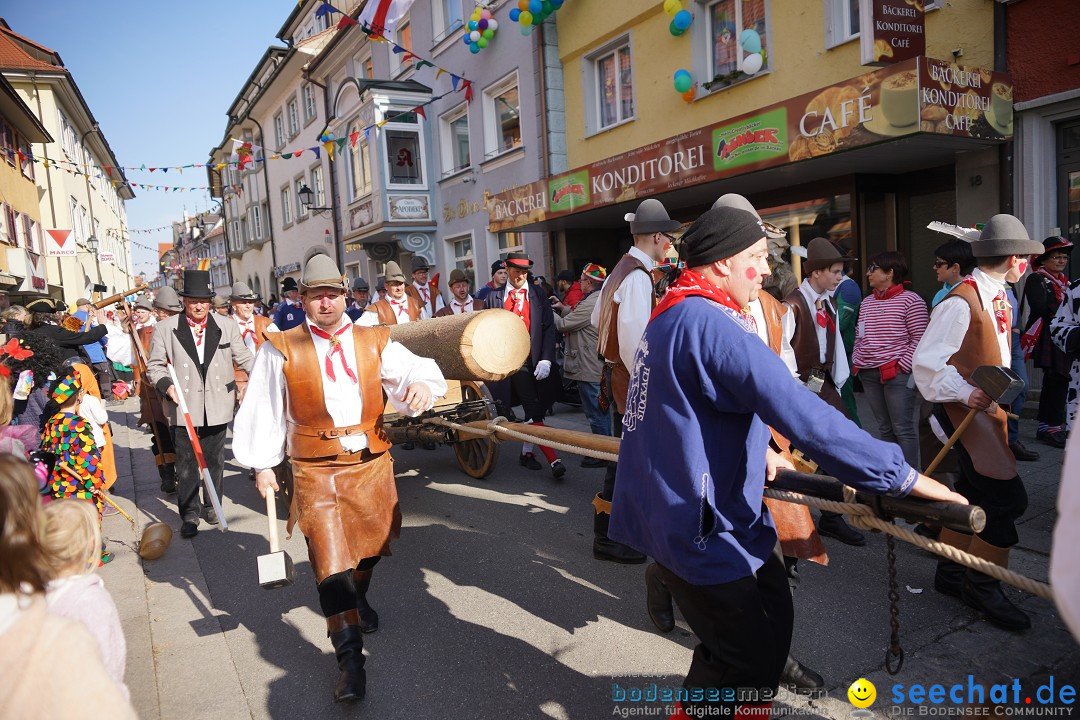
20 115
20 53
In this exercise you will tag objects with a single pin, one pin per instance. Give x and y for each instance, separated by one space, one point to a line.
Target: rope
863 517
494 428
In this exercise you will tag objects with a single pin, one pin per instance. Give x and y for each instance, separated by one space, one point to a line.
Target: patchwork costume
1065 331
70 439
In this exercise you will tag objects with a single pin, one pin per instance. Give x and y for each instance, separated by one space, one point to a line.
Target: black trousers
103 372
608 490
1055 389
164 432
188 481
743 629
524 388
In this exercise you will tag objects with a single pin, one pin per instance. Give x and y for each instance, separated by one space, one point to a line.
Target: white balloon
752 63
475 37
493 24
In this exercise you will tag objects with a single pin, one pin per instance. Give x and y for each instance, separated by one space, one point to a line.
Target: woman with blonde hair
41 649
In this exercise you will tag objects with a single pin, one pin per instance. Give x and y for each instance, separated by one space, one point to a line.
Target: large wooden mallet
276 569
1000 383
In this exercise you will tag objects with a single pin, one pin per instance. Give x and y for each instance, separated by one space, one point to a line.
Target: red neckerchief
517 302
247 328
691 284
198 329
823 317
461 305
889 293
1058 282
1000 305
403 303
335 347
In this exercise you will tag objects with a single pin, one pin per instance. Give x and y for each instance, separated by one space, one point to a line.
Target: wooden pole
584 440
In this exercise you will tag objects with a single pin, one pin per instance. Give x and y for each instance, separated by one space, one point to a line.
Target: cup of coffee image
900 98
1001 100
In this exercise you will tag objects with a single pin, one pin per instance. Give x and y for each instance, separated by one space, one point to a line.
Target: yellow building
781 109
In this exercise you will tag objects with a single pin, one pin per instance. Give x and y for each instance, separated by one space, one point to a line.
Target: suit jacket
541 322
209 387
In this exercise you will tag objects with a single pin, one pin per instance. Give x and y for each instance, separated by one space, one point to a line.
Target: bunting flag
419 110
380 16
203 264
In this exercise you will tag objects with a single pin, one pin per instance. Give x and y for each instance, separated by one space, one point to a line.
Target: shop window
510 242
828 217
403 157
841 21
461 249
612 85
446 18
454 128
502 117
725 21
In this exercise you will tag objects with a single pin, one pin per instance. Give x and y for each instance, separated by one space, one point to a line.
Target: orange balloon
690 94
523 4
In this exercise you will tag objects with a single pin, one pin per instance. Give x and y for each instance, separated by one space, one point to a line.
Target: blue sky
159 77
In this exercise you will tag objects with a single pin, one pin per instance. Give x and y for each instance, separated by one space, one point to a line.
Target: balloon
523 5
752 63
475 35
536 6
525 18
485 14
474 48
482 25
467 38
472 25
683 81
482 42
488 34
526 30
683 18
548 8
672 6
514 14
493 24
557 3
750 41
690 94
674 30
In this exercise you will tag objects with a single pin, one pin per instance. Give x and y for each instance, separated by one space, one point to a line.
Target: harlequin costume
70 439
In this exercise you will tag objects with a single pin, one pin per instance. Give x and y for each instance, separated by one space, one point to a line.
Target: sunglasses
941 263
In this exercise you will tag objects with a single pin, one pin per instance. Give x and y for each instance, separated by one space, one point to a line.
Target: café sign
891 31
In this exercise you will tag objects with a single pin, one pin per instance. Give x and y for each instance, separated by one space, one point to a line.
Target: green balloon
488 34
683 82
482 42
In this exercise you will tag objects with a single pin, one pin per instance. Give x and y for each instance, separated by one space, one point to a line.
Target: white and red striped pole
197 447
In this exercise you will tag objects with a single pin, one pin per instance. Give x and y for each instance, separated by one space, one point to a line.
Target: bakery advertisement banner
891 31
917 96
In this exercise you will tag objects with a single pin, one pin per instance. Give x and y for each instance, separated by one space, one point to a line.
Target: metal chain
895 653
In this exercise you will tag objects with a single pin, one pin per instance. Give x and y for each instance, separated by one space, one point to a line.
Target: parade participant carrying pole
73 323
204 471
144 389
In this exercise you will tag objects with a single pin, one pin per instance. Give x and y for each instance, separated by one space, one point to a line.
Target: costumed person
290 312
1065 332
45 322
425 292
680 498
143 313
498 279
361 298
398 307
87 314
811 328
953 262
202 347
15 320
166 303
531 385
252 328
318 392
1044 292
968 329
461 301
620 316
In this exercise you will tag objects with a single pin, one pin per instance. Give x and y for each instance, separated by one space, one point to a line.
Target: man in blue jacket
695 457
95 351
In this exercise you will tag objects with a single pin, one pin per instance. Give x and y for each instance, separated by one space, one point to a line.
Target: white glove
543 369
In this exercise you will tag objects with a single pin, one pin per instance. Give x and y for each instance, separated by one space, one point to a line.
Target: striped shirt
889 330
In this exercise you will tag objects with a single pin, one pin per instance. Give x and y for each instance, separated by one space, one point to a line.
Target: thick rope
863 517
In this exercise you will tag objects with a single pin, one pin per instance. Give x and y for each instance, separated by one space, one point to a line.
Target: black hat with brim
518 260
197 285
1052 245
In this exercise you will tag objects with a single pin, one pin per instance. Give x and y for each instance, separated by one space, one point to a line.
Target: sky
159 77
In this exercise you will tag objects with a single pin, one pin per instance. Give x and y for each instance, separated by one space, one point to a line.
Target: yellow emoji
862 693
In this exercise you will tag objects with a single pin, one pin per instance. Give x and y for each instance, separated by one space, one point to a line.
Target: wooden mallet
1000 383
276 569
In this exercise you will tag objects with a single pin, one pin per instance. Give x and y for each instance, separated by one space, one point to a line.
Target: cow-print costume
1065 331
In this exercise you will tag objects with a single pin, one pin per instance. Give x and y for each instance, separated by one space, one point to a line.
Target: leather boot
369 619
833 525
949 576
167 473
658 600
344 632
801 678
984 593
604 548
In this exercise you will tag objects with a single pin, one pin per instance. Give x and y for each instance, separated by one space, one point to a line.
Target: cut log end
487 345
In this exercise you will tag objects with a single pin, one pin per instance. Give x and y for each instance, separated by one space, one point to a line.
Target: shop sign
59 243
106 257
361 216
30 266
409 207
464 209
916 96
282 270
891 31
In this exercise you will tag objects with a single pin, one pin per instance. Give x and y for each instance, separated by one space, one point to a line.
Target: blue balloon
556 4
750 41
474 47
536 6
515 13
467 39
526 30
683 18
472 25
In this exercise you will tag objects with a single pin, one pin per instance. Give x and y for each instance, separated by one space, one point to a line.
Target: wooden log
589 441
486 345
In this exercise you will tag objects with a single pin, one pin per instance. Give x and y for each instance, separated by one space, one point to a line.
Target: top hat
167 299
322 271
518 260
393 273
360 285
651 217
240 291
820 254
456 276
197 285
1005 235
419 263
741 203
289 285
144 303
1052 244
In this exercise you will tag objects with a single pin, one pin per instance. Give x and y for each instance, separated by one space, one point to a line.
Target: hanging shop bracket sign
920 95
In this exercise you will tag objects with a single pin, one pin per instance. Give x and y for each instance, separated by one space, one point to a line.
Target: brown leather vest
477 305
311 430
608 329
987 438
413 293
804 343
261 323
386 313
773 310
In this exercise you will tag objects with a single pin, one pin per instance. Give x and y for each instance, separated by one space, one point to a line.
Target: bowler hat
167 299
1005 235
322 271
197 285
240 291
289 285
821 254
360 285
738 201
518 260
393 273
1052 244
651 217
457 276
419 263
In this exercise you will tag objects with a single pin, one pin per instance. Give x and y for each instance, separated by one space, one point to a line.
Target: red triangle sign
60 236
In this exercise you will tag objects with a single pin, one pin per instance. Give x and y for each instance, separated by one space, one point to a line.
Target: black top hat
289 285
518 260
197 284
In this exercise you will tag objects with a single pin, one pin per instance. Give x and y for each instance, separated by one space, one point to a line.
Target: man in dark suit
529 385
290 312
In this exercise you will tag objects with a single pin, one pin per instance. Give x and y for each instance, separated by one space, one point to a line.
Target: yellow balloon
672 6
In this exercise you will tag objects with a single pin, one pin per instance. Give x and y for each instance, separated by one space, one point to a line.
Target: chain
895 653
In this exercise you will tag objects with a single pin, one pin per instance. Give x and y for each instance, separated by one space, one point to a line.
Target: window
294 119
613 86
322 22
27 240
446 17
279 130
461 248
301 211
309 103
842 21
510 242
502 119
7 142
359 165
726 20
10 227
27 164
245 230
256 222
403 37
403 157
286 206
317 187
455 139
220 275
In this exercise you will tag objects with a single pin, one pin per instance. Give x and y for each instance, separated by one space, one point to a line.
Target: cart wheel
476 455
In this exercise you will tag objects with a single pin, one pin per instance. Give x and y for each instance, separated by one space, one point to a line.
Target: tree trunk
486 345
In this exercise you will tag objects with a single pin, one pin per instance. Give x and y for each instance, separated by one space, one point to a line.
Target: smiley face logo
862 693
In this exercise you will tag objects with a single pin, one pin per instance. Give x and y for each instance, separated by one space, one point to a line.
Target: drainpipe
269 217
339 246
48 183
90 203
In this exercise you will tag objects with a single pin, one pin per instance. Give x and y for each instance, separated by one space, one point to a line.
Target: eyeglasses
871 268
941 263
670 238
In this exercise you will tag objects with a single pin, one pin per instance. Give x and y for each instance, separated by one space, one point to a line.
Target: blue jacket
288 316
703 391
95 351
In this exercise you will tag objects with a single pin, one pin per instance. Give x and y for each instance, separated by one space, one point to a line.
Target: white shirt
936 379
400 308
634 296
786 353
425 297
259 431
840 369
245 326
461 307
148 323
93 411
118 349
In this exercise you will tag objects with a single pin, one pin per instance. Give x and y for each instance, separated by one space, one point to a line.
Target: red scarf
1058 282
198 329
824 317
335 347
890 293
691 284
517 302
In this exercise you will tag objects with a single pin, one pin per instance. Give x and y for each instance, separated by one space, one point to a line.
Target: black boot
984 593
949 577
801 678
833 525
167 473
344 632
369 619
604 548
658 600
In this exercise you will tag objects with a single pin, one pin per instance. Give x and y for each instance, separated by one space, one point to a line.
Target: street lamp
92 244
307 196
